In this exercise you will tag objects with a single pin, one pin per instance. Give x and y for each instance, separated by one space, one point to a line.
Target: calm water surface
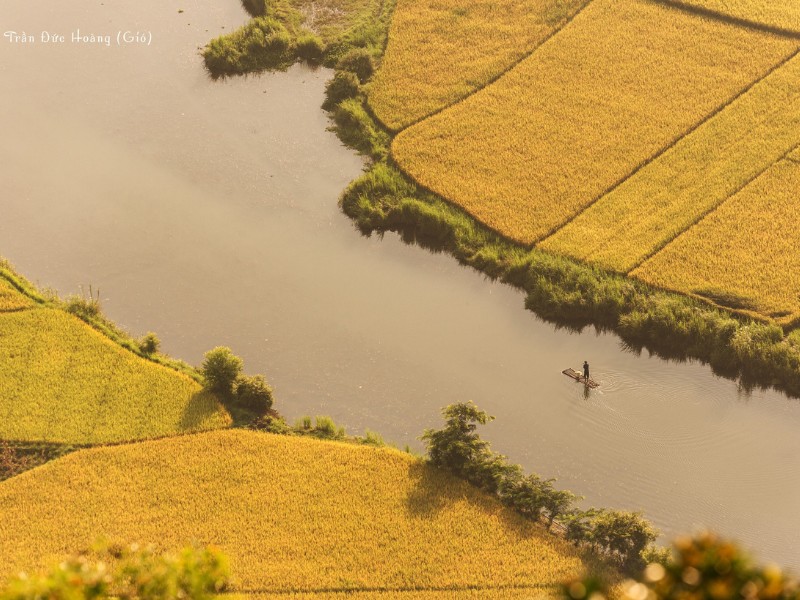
207 212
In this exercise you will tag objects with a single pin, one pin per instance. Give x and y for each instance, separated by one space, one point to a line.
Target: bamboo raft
580 378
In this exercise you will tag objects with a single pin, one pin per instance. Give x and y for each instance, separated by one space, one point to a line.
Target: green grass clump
356 129
264 43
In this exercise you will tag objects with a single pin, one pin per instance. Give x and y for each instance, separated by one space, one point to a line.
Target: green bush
344 85
325 428
149 344
253 393
255 8
371 439
88 310
271 424
220 369
358 61
310 48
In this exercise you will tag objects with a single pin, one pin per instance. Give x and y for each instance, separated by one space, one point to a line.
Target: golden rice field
11 299
63 381
784 14
668 195
293 514
441 51
522 593
748 248
621 83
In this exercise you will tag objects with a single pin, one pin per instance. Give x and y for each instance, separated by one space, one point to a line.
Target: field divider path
392 590
705 214
740 255
675 141
730 19
489 82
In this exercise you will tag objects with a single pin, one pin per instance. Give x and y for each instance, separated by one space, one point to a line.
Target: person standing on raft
586 371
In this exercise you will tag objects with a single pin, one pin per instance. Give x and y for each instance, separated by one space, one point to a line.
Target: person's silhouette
586 370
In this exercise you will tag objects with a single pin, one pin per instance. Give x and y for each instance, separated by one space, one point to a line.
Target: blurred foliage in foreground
128 574
704 567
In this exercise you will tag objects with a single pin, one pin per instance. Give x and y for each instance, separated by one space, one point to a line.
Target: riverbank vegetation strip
441 52
700 172
745 250
294 514
619 85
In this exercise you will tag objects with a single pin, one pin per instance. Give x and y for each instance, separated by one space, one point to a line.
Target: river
206 211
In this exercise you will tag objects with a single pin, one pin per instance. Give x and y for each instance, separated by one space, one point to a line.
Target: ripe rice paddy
62 381
440 52
624 81
746 250
782 14
293 515
670 194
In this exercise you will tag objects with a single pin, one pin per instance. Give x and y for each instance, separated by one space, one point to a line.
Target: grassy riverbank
282 32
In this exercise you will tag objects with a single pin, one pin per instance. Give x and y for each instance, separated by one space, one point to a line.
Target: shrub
344 85
255 8
310 48
325 428
149 344
358 61
253 393
88 310
220 369
271 424
371 439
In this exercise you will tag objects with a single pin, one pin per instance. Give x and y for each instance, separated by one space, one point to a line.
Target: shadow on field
436 490
201 406
432 492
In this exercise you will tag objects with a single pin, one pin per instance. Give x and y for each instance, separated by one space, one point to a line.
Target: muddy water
207 212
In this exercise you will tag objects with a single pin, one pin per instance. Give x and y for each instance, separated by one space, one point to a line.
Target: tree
220 369
623 536
557 502
457 446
